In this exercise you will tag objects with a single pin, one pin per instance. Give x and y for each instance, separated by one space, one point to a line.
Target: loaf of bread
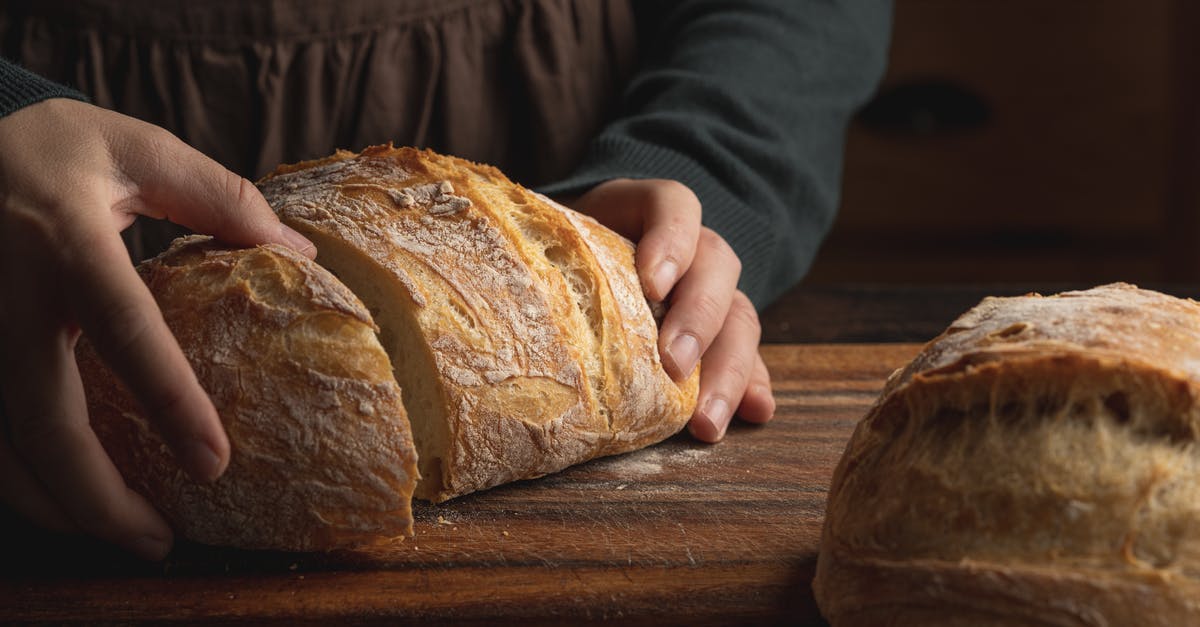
513 336
517 328
1036 464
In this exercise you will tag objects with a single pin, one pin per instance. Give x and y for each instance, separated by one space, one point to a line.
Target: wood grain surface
681 533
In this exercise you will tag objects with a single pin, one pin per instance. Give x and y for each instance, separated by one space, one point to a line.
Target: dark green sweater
745 101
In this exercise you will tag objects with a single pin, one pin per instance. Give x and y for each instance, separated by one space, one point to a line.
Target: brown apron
521 84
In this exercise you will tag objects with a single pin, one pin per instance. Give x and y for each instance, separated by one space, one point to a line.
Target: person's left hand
689 265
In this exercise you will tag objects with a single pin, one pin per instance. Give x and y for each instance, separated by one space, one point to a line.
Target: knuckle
706 312
157 140
240 189
165 404
121 327
107 519
143 152
742 312
737 368
678 192
151 144
34 435
670 241
717 246
239 194
668 193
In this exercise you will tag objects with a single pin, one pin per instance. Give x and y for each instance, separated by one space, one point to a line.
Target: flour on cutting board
648 462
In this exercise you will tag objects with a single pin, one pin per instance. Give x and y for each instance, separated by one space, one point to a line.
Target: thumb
179 183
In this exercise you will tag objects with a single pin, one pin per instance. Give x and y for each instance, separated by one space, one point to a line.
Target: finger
699 305
617 204
662 216
177 182
50 430
120 317
728 368
671 230
20 490
758 403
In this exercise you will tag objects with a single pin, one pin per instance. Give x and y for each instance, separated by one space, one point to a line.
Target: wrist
20 88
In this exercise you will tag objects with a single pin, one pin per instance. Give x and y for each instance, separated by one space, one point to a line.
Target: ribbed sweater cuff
20 88
747 231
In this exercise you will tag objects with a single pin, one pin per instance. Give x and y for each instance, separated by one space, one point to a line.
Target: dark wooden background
1027 141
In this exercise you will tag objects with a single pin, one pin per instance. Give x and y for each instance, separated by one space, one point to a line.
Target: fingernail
683 353
702 429
203 461
716 410
664 278
765 392
151 547
297 241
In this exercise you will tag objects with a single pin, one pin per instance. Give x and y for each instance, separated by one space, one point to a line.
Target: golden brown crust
1035 464
530 315
321 451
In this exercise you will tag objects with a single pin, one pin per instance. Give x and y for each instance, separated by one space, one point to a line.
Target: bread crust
1034 465
544 348
321 452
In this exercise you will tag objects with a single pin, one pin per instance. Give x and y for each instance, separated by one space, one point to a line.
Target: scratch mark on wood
686 546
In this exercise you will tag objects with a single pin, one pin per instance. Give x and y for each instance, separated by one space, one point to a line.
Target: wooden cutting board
681 533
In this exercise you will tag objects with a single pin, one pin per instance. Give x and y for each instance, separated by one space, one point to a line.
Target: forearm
747 103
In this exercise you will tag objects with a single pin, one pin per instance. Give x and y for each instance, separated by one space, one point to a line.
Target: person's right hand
72 176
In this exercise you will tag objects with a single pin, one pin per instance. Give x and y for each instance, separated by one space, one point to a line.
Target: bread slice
321 456
1036 464
517 328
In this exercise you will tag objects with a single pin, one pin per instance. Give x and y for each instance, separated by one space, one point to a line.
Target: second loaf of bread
1036 464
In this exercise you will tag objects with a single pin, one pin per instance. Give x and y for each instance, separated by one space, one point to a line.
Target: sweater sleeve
20 88
746 102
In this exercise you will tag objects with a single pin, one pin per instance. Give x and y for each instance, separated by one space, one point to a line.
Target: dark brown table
681 533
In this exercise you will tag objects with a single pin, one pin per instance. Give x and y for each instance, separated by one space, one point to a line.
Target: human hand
72 176
708 316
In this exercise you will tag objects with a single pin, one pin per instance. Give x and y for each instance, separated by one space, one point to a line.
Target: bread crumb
504 533
622 486
443 521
